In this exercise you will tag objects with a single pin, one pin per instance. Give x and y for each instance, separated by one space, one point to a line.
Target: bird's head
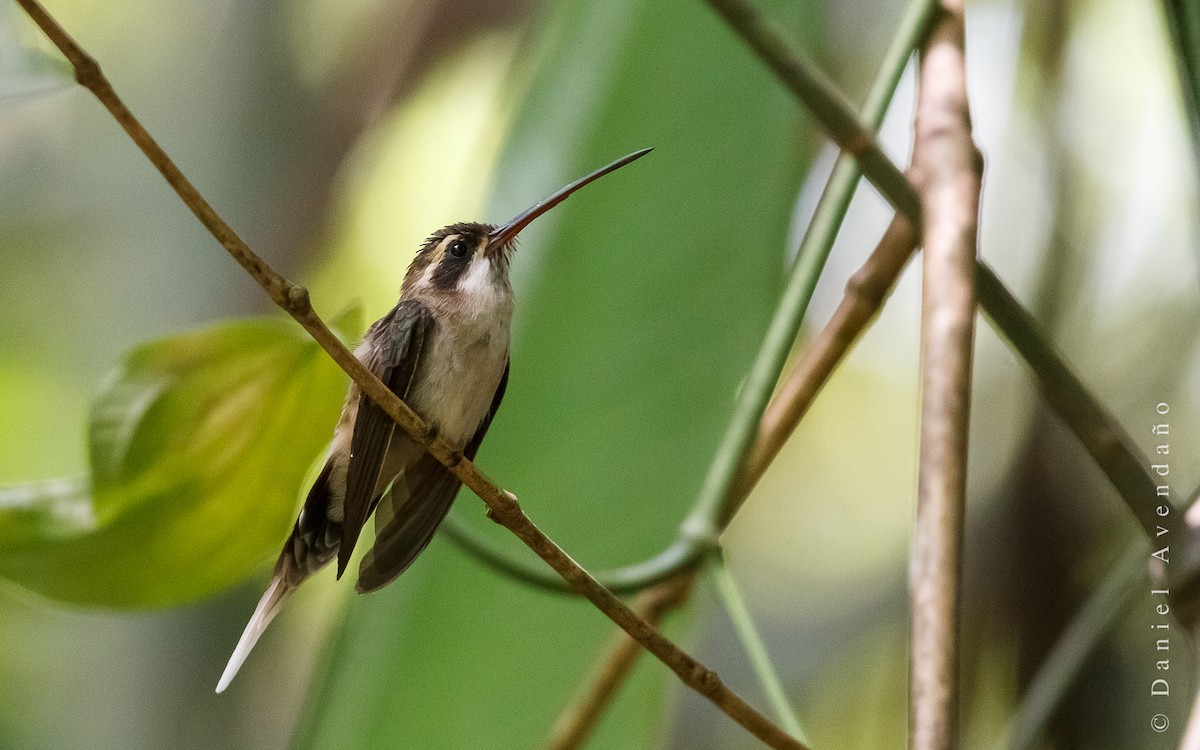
469 255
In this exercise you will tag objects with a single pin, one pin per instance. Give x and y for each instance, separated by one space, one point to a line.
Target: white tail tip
266 610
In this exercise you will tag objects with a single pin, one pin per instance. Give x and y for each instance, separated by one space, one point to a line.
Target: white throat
485 296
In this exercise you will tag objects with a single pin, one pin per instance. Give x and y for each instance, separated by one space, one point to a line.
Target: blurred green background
336 135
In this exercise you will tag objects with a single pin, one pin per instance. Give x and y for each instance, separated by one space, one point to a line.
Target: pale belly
452 391
456 382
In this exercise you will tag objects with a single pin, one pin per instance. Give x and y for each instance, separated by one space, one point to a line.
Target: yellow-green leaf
199 447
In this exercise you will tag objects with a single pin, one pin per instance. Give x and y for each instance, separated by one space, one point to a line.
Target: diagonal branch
502 505
1096 428
948 169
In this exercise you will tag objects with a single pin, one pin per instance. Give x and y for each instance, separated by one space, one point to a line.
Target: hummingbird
444 350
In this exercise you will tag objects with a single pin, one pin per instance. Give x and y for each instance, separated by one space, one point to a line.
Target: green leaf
640 304
199 447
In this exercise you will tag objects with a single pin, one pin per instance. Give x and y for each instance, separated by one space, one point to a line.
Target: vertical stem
947 168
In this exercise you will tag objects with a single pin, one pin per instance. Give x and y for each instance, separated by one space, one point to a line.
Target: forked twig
502 505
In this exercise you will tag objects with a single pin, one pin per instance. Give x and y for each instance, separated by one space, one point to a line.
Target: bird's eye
458 249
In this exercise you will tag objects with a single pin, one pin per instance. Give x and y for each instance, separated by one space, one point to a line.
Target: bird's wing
401 336
409 513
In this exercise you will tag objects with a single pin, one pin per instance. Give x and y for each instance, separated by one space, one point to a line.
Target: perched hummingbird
443 349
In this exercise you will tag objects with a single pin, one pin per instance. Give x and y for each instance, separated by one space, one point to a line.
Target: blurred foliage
423 166
640 304
199 444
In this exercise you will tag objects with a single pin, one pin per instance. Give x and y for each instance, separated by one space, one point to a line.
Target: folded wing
399 337
409 514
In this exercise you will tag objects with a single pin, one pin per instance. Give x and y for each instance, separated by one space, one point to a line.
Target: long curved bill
502 235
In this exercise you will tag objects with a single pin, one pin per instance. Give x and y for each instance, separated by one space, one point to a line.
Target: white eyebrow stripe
439 253
427 276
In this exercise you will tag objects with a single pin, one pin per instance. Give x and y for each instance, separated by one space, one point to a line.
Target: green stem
756 649
814 253
1061 668
681 555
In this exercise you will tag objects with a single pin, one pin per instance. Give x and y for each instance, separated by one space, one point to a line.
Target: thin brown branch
866 290
502 505
947 170
578 720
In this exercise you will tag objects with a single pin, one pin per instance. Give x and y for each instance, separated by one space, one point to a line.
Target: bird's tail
312 544
267 608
